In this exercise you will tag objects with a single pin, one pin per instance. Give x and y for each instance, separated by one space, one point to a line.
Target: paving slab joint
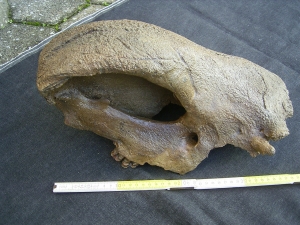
57 25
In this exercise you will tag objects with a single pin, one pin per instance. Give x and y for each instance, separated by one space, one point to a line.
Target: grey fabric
37 149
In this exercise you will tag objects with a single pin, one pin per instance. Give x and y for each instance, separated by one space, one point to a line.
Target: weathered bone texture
111 77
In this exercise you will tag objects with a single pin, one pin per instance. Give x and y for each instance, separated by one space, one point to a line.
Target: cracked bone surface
112 77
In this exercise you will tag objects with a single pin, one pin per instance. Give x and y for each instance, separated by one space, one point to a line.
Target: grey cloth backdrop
37 149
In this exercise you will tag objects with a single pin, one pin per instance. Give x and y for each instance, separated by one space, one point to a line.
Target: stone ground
24 24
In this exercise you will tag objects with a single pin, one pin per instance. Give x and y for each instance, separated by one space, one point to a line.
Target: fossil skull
112 77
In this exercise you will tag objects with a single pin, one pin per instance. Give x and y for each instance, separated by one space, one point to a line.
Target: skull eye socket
132 95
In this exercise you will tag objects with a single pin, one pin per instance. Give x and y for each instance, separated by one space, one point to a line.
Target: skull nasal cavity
170 112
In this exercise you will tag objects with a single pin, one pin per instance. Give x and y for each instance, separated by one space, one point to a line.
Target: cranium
112 77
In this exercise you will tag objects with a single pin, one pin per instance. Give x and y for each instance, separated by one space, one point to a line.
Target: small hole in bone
170 112
193 138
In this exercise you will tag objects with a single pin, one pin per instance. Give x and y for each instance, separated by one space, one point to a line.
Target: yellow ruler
143 185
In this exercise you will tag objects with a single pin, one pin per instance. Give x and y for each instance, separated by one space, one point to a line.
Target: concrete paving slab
3 13
46 11
88 11
17 38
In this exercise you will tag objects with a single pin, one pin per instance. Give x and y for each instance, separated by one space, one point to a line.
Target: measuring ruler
143 185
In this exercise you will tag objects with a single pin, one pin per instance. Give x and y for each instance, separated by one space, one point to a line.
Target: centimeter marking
143 185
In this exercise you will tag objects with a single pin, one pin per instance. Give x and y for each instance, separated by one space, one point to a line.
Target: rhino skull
112 77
